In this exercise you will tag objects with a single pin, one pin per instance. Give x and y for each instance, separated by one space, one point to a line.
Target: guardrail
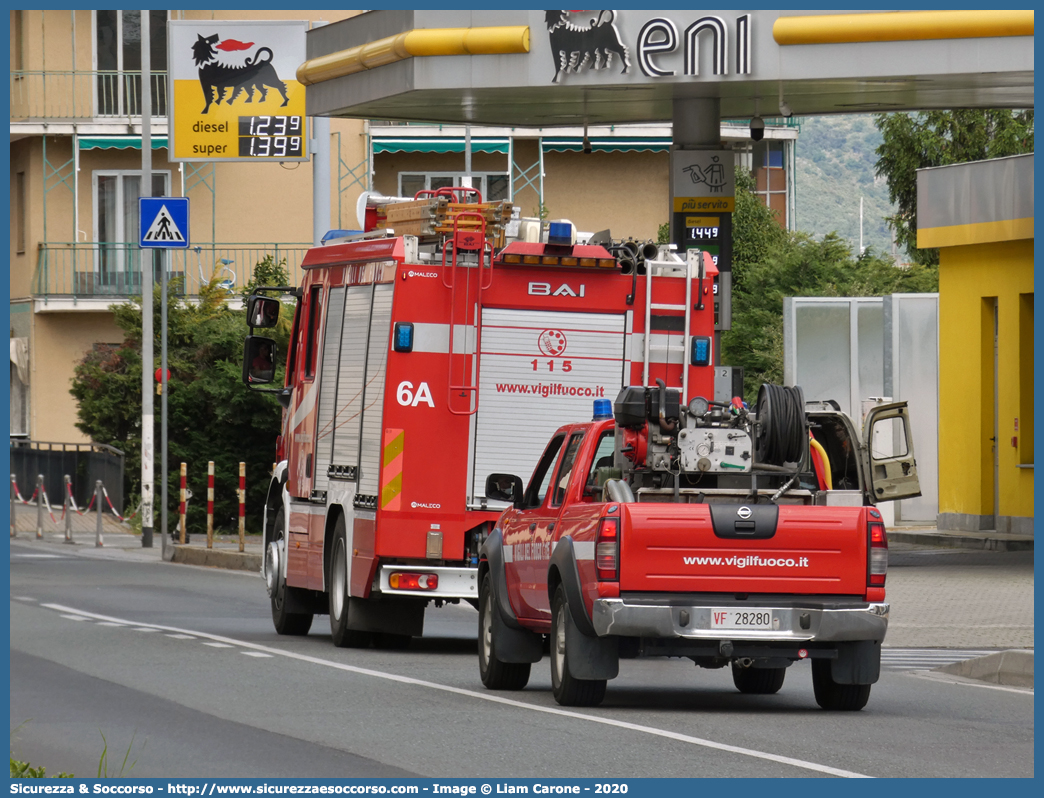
83 95
114 270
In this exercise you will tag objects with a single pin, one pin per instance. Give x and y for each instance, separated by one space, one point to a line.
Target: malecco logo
544 289
425 506
423 274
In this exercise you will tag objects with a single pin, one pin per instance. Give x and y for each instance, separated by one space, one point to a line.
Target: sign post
703 191
164 225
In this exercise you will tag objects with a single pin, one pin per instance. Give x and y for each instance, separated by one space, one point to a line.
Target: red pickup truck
670 531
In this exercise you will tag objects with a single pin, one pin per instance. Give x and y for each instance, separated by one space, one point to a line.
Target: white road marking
76 618
111 623
24 598
38 556
182 637
218 645
947 679
496 699
144 629
256 654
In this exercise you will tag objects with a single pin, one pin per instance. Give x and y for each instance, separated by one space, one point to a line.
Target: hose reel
782 432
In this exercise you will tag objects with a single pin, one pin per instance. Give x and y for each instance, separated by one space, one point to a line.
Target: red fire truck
426 358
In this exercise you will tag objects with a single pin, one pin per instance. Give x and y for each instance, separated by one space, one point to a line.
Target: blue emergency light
603 409
701 350
402 338
560 233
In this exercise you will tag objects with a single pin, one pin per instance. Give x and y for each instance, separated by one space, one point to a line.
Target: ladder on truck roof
672 268
467 237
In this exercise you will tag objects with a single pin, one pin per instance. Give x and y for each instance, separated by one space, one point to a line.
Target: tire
833 696
758 681
496 675
337 594
286 623
568 690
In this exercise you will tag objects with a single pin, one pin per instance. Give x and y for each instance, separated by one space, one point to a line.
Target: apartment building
76 137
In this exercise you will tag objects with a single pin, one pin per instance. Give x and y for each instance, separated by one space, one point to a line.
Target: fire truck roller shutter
351 371
373 389
538 370
327 379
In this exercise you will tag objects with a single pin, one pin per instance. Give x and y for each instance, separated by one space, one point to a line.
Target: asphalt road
178 668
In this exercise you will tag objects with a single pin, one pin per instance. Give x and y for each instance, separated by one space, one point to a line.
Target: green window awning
438 145
573 144
120 142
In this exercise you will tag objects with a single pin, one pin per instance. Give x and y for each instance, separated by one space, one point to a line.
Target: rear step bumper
864 621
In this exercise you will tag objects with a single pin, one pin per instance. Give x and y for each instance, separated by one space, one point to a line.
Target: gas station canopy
556 68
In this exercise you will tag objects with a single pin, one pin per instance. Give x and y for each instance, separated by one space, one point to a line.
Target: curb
1013 668
216 558
959 540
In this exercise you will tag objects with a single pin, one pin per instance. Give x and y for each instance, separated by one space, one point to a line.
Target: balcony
113 271
38 96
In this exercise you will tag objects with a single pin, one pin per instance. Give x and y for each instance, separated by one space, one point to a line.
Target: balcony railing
83 95
101 270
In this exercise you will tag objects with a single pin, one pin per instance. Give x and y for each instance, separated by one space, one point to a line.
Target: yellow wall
58 343
969 279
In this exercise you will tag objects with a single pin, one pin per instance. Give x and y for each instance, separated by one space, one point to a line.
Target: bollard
39 506
14 504
181 506
210 504
98 542
242 506
68 509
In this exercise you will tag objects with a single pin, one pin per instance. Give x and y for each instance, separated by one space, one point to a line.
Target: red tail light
401 581
607 550
878 547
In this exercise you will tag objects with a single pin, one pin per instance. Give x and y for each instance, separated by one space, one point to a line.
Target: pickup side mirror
262 311
504 488
258 360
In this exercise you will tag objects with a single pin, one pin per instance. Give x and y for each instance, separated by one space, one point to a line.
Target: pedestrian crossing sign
164 222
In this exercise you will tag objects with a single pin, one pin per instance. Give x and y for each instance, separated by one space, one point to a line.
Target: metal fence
84 462
83 95
114 270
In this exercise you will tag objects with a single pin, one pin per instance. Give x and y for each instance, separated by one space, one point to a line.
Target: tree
211 414
939 138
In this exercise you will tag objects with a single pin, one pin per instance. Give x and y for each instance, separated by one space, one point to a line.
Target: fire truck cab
422 360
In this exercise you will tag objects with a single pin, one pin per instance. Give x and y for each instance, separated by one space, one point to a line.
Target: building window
19 214
770 176
492 185
117 228
117 55
17 41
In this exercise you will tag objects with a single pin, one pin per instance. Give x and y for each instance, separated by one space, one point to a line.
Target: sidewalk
983 540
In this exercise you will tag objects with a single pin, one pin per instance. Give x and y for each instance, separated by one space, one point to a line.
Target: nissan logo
744 512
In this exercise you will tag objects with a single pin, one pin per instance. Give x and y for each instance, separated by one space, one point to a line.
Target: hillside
835 167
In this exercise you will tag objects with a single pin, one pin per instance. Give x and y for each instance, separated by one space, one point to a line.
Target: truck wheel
758 681
496 675
286 623
834 696
568 690
343 637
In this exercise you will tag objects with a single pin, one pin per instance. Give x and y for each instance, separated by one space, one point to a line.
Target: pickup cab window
538 485
566 468
603 458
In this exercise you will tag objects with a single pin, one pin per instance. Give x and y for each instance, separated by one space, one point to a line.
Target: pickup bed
724 578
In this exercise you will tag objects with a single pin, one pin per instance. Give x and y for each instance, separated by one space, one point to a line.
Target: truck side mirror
504 488
258 360
262 311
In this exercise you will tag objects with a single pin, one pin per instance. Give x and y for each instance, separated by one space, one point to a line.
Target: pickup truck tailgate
810 550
